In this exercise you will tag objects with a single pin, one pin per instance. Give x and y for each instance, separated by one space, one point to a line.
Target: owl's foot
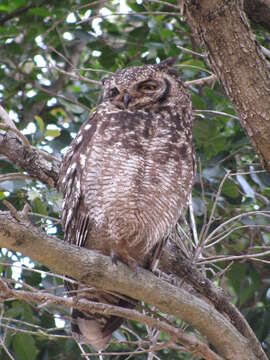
133 265
130 262
115 258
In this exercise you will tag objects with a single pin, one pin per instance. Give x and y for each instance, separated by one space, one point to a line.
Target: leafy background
53 55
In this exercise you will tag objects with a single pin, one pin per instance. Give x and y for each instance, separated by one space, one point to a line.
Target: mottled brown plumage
126 177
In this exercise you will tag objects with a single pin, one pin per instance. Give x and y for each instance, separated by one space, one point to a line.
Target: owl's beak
126 99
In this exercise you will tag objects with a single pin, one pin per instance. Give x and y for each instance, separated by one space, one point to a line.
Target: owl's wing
75 218
93 329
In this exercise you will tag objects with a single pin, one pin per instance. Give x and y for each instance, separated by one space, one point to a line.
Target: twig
83 352
157 347
177 264
265 213
41 333
20 10
190 342
13 211
215 259
57 95
42 272
2 343
14 176
193 222
162 2
208 80
229 232
204 233
188 51
203 197
153 13
73 75
265 51
194 67
215 112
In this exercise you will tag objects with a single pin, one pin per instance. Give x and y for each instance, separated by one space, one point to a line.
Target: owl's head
141 87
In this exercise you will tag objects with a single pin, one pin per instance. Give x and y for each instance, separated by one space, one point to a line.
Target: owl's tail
96 330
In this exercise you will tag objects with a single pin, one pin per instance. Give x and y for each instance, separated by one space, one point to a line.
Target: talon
132 264
114 258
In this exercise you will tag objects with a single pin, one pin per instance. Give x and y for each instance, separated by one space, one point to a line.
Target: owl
126 178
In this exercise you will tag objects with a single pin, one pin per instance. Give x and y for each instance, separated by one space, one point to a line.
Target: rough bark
221 29
97 270
38 164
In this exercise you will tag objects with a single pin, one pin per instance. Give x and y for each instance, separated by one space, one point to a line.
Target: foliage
42 40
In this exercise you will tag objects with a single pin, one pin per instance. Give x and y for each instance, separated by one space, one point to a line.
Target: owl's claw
115 258
132 264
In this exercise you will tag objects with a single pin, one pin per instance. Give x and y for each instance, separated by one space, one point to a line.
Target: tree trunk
221 28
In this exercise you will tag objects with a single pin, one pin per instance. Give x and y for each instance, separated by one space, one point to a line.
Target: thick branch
97 270
39 165
222 30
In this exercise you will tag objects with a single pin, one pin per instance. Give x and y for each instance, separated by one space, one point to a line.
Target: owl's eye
147 86
113 92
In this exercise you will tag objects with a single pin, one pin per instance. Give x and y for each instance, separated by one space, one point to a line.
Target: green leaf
40 123
24 347
39 11
246 293
230 189
236 275
31 278
52 133
197 102
23 310
4 8
39 206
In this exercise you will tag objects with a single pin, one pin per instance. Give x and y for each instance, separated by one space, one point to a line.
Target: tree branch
209 80
220 27
174 262
97 270
190 342
15 146
19 11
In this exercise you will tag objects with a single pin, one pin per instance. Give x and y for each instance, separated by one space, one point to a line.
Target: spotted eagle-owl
126 178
